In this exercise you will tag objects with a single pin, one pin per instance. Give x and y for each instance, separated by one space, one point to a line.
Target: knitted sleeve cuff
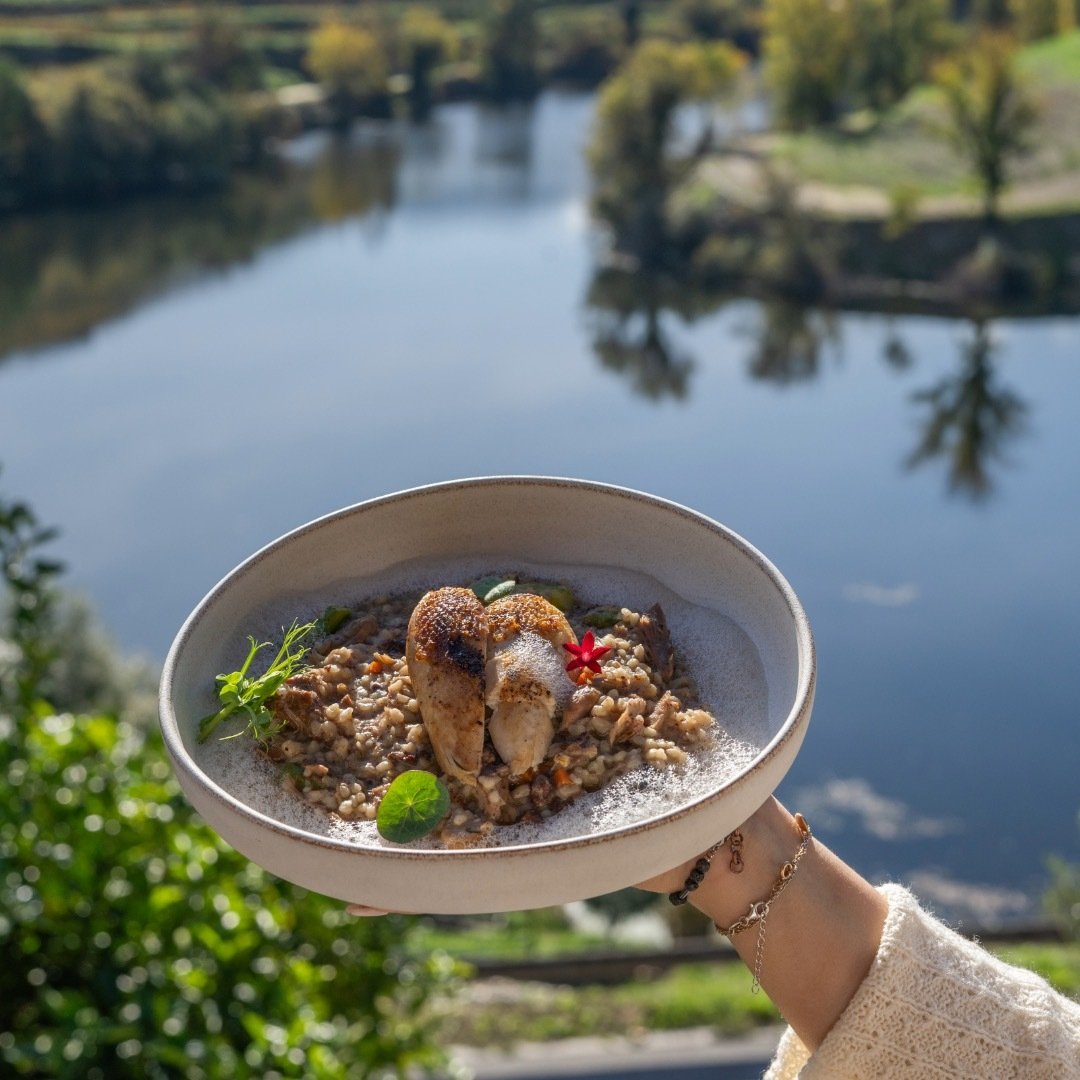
934 1005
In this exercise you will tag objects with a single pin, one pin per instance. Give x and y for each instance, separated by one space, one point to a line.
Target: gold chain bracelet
759 911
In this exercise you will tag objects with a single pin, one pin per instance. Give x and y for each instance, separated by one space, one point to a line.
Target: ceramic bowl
377 545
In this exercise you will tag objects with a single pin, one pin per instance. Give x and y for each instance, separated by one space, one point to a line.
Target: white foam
535 656
719 655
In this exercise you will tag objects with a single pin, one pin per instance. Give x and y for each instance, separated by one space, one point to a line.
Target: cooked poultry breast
526 677
446 649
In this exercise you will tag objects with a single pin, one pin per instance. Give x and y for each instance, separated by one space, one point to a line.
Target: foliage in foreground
136 943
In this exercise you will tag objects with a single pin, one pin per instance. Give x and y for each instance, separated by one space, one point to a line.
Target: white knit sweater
935 1005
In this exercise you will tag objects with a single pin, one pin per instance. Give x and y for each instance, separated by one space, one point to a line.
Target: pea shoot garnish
244 696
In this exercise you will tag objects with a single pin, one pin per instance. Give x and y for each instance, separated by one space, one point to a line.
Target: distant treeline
183 112
177 96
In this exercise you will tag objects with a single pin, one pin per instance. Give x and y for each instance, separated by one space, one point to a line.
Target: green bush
137 943
111 138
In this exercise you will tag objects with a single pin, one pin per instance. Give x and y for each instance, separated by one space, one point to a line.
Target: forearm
822 931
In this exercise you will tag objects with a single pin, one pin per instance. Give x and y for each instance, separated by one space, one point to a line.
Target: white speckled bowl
534 519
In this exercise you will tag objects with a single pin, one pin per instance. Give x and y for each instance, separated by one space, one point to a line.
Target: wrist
770 837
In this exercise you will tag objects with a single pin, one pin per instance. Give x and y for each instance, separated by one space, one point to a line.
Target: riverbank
746 175
901 166
749 222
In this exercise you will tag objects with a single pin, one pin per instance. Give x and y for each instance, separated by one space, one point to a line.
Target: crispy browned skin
522 720
527 613
446 648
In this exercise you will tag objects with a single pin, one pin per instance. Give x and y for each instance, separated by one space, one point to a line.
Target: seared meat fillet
446 648
526 676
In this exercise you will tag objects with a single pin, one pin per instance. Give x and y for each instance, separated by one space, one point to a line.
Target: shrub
349 63
138 944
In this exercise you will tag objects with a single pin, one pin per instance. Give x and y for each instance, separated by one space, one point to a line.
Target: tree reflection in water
64 272
628 333
505 136
355 180
790 340
969 418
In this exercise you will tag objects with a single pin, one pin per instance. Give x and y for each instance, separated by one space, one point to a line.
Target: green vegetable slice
602 617
333 618
504 588
413 805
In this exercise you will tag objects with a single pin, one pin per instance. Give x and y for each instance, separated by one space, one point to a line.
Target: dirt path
743 178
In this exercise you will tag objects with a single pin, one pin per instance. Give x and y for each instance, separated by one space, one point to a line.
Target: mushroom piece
580 704
445 648
657 640
526 675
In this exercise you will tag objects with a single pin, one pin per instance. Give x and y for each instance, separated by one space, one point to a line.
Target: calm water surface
423 305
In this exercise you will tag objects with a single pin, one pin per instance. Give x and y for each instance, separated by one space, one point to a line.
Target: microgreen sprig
248 697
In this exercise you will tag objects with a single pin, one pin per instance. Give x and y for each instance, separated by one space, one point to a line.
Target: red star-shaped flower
586 655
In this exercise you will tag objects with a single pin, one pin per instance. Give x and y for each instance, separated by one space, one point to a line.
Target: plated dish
519 704
573 802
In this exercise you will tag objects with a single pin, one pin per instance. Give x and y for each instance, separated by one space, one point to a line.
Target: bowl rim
803 699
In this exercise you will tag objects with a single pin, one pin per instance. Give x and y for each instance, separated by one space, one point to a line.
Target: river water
182 382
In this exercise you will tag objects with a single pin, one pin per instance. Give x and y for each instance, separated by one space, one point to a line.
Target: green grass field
907 148
715 995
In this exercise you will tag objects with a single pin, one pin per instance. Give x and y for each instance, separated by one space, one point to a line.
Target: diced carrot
374 667
561 777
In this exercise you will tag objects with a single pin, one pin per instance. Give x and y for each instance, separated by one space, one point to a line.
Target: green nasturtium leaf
413 805
482 586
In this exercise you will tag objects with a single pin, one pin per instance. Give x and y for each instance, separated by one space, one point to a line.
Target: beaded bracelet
701 867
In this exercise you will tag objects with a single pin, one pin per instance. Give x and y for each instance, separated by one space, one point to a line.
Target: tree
631 154
348 61
894 42
808 49
1034 19
220 56
426 40
990 112
511 48
22 140
737 21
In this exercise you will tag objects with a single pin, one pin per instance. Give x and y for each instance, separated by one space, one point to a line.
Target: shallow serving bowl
535 520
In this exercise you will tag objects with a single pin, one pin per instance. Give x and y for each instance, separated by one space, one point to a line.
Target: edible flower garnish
586 655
